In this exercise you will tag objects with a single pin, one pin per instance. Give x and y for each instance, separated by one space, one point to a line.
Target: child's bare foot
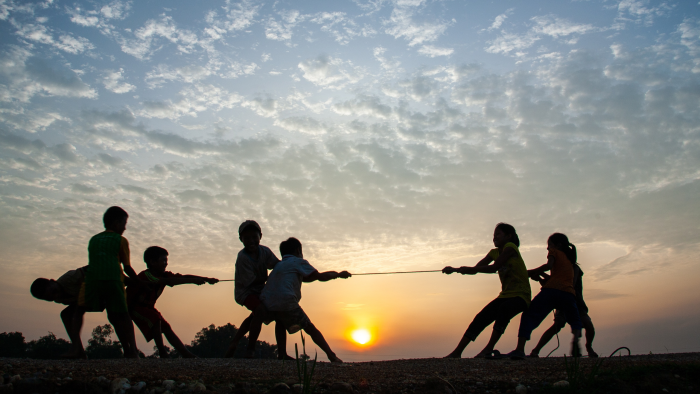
534 354
286 357
483 354
591 352
335 359
453 355
231 351
249 355
188 355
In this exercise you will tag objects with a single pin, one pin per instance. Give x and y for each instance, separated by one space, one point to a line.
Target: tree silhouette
213 341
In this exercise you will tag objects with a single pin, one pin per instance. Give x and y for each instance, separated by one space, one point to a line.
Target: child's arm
187 279
539 271
326 276
483 262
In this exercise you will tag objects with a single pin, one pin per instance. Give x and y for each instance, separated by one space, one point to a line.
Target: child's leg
546 337
485 317
281 337
319 340
157 333
507 310
567 304
72 318
590 334
559 323
255 327
175 340
540 307
242 330
124 328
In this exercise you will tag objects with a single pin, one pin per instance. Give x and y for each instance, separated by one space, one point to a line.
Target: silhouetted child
104 289
558 293
65 290
142 300
252 264
560 317
515 289
280 297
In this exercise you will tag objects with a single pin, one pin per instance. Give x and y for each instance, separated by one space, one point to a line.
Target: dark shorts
500 312
251 302
545 302
98 295
560 318
146 318
293 320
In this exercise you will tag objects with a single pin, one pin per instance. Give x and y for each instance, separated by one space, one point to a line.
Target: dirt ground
646 373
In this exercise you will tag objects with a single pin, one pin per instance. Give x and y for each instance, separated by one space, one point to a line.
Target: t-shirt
251 274
513 275
70 283
283 289
106 252
148 295
562 277
578 286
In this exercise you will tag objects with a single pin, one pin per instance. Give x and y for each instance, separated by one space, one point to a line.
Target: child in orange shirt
558 293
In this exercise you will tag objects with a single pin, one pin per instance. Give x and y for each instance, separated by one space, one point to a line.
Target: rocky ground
648 373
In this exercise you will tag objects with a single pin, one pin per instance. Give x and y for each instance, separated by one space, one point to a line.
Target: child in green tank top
104 289
513 299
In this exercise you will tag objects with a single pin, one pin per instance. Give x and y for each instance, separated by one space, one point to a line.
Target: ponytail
509 230
561 242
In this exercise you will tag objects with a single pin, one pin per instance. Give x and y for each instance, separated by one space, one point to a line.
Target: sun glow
361 336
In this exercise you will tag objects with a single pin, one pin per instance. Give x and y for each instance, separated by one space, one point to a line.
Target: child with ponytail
515 290
557 293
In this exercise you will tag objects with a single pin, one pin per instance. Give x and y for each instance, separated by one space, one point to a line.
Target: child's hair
249 224
289 246
561 242
153 253
112 214
39 287
509 230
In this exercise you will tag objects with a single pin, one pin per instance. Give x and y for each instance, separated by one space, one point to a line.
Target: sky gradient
385 135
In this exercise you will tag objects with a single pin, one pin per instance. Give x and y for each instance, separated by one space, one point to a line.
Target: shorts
500 312
251 302
560 318
98 295
146 318
293 320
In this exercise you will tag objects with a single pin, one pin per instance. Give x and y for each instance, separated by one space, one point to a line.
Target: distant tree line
209 342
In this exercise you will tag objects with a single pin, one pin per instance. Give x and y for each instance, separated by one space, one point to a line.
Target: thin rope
398 272
367 273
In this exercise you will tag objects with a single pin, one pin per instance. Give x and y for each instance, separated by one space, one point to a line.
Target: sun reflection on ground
361 336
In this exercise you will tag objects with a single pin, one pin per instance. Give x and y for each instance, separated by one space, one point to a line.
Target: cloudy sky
386 135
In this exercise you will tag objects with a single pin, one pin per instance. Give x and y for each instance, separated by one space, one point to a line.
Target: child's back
105 251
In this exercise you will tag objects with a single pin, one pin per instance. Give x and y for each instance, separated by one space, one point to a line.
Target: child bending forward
142 300
515 290
282 293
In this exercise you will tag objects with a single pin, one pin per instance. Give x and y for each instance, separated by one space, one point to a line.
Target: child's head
249 233
114 219
504 233
291 246
561 242
45 289
156 259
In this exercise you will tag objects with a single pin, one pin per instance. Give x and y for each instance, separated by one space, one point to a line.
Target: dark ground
673 373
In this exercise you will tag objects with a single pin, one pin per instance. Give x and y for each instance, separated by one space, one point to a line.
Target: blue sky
383 134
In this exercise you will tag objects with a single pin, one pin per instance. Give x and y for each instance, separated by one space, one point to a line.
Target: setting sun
361 336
